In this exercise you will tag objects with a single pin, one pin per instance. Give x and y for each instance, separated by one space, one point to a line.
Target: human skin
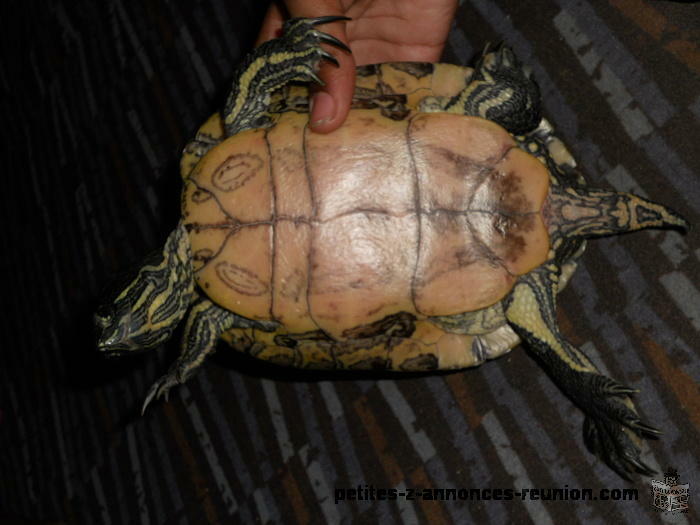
380 31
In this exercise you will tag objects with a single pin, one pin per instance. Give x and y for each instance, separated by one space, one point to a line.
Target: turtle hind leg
501 90
612 429
293 57
205 324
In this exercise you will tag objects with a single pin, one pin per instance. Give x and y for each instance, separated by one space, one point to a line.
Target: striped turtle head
144 313
121 330
132 317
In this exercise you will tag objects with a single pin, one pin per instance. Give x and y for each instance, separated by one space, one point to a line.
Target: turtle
432 231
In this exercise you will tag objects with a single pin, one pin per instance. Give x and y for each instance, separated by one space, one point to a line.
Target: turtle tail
587 213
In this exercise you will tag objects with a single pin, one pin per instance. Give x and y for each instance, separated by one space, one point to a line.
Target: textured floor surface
98 101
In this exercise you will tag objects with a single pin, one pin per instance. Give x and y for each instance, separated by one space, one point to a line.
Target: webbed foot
303 43
293 57
205 324
502 90
612 429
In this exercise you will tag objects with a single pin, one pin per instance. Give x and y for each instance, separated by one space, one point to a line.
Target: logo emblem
668 495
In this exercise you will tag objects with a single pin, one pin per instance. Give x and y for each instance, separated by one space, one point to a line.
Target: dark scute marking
416 69
200 196
514 218
457 165
363 96
401 324
242 342
512 231
321 365
281 359
481 252
420 362
373 363
510 214
367 70
286 341
392 106
509 188
467 255
284 100
235 171
292 340
240 279
515 246
398 113
204 255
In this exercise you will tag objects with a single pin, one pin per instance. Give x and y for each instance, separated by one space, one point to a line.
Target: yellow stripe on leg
525 311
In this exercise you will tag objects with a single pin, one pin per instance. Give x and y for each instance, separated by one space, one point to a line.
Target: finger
272 24
329 103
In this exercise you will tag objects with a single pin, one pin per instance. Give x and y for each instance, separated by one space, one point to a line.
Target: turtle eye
109 328
103 316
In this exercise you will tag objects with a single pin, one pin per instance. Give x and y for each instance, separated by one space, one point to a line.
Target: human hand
380 31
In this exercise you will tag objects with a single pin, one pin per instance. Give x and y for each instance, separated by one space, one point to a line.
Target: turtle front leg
205 324
612 428
502 90
293 57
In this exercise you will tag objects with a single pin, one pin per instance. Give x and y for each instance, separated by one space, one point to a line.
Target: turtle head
111 330
129 318
143 309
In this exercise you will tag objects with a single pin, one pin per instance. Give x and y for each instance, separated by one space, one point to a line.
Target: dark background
98 99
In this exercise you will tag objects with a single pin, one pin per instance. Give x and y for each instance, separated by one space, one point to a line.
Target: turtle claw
646 430
299 33
313 76
623 391
617 446
329 39
500 51
612 429
613 388
160 388
326 55
639 465
327 19
151 394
